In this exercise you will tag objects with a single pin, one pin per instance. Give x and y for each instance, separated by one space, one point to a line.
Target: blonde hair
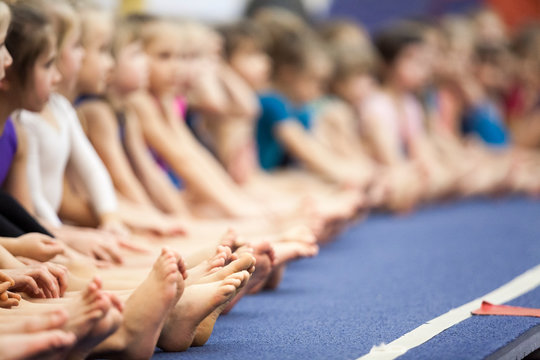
86 9
344 33
5 13
60 14
350 48
127 32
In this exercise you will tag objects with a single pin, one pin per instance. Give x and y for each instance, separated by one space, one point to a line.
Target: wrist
11 245
107 218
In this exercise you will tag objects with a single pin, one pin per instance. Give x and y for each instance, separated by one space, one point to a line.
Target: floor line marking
520 285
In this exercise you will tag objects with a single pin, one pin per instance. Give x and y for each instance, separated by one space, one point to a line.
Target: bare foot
342 205
209 266
205 328
49 321
232 240
84 314
264 259
103 328
143 319
91 306
36 345
286 252
299 233
197 303
245 261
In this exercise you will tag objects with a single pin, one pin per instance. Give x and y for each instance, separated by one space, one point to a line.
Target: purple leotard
8 148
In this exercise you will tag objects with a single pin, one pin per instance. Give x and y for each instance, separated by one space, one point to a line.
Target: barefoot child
394 120
300 71
245 54
162 128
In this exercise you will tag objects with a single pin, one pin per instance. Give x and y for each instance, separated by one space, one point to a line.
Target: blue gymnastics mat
383 278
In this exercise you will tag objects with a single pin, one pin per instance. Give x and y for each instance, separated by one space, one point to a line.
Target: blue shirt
486 121
276 109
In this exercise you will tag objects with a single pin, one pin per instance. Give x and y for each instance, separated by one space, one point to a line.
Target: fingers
61 274
27 261
12 295
53 248
9 302
5 278
4 286
29 285
47 281
114 253
102 264
101 254
133 247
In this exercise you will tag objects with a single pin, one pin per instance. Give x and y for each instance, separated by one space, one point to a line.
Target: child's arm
103 134
383 146
303 146
74 208
525 130
341 132
200 172
207 94
85 162
8 261
159 187
16 182
40 207
242 100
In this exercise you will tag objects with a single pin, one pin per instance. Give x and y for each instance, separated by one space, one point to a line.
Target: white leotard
52 151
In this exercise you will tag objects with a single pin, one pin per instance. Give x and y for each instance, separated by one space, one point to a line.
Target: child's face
163 53
70 58
494 77
412 69
131 71
310 84
5 57
252 64
355 88
190 65
42 82
97 61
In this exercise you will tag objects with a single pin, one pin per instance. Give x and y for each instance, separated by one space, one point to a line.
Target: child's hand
116 228
99 245
38 281
36 246
9 299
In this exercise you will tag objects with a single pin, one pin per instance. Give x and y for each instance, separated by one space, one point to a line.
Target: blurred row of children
241 148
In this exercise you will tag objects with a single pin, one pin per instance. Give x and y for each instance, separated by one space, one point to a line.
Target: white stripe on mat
511 290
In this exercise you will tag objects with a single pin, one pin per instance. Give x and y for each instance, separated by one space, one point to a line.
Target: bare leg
143 319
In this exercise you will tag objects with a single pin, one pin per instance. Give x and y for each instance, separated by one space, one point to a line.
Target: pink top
403 120
181 106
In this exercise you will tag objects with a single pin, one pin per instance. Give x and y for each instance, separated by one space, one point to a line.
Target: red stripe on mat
505 310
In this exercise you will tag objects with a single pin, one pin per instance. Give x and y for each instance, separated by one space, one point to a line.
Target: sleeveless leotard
8 148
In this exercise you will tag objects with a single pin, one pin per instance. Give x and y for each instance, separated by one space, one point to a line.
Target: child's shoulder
273 100
96 114
272 95
27 118
377 101
140 99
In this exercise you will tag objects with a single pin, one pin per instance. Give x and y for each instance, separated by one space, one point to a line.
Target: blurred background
372 13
